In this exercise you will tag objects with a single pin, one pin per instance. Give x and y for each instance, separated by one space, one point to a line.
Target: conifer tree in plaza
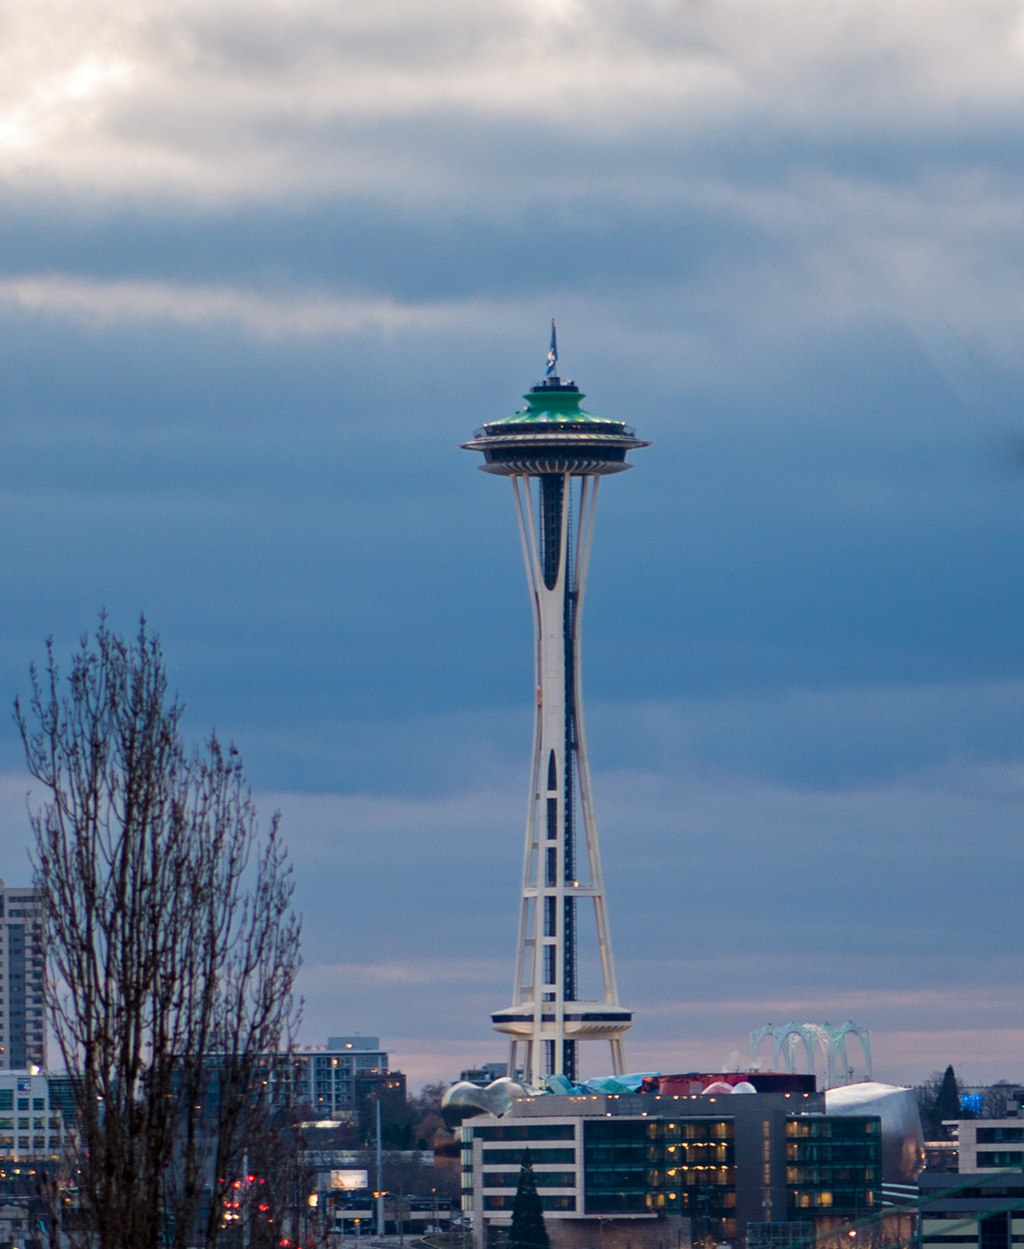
528 1230
947 1103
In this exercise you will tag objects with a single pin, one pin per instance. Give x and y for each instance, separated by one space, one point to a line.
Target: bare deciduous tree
173 946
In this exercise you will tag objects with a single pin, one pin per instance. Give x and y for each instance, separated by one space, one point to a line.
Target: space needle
556 453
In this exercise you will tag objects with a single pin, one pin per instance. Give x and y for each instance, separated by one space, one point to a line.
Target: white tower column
556 530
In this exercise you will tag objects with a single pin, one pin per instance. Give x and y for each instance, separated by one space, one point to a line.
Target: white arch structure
829 1039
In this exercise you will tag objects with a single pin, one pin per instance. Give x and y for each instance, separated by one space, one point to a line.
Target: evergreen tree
946 1104
528 1230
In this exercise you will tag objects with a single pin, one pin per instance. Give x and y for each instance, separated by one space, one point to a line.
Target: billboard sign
350 1181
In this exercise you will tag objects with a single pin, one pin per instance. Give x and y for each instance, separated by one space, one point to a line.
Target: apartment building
22 981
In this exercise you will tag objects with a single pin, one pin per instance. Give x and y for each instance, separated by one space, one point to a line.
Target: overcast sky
263 265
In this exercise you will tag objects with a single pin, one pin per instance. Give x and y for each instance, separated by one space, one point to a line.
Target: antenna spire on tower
552 352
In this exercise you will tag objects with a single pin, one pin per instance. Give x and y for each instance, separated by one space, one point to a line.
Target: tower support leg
549 1015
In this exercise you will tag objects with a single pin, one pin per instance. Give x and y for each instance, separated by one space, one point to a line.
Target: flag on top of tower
552 351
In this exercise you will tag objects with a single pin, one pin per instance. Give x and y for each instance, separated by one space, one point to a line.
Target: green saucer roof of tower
553 405
553 402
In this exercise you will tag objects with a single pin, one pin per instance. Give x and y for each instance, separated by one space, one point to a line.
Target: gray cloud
226 99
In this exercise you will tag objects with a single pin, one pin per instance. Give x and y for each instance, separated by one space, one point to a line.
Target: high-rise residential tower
556 453
22 980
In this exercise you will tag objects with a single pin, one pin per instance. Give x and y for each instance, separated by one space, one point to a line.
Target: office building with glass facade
718 1163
